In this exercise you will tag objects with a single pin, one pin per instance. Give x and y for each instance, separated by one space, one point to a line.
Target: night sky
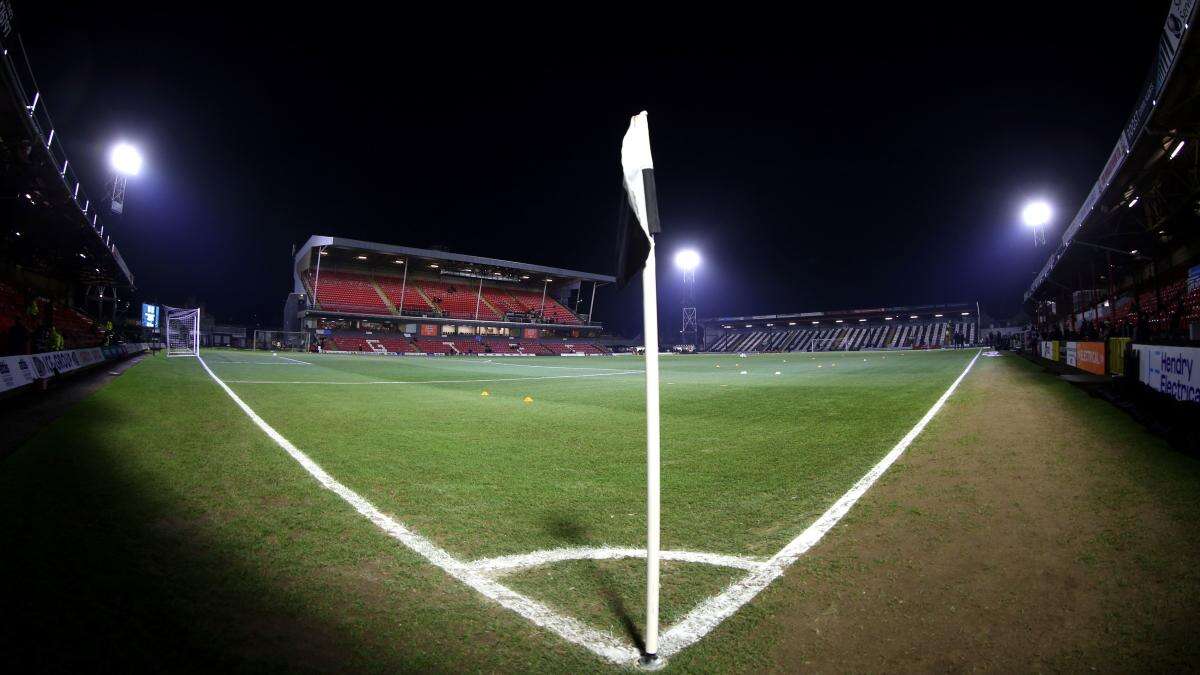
826 160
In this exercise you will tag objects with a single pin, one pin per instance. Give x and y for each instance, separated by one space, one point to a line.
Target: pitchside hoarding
1171 370
1048 350
1089 356
18 371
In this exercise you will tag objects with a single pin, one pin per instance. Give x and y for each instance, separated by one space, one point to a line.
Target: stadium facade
910 327
360 296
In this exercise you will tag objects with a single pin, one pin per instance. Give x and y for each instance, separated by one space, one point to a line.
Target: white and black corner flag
640 217
636 254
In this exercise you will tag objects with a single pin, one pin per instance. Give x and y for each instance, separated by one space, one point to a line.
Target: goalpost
182 331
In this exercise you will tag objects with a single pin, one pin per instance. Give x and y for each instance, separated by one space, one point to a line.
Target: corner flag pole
635 253
650 314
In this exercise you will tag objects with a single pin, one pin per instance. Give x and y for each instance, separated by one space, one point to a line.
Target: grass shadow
571 530
112 564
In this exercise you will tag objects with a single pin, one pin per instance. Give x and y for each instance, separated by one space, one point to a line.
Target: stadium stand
63 284
1143 283
357 296
394 343
852 330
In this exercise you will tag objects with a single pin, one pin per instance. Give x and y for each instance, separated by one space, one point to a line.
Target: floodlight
687 260
1036 214
126 159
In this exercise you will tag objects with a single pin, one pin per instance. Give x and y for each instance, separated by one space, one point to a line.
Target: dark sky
819 160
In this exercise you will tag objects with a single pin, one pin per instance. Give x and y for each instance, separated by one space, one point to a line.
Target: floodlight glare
687 260
125 159
1036 214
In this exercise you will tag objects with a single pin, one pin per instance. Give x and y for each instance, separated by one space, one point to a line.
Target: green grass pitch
749 460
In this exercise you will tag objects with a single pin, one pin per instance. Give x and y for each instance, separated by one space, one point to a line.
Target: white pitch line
698 623
604 645
494 379
509 563
260 363
710 613
530 365
285 358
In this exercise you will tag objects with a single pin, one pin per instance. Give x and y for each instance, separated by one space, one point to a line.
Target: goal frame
189 317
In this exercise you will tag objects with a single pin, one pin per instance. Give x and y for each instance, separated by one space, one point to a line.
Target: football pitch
521 479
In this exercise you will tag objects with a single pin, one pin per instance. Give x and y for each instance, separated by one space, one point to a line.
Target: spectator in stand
43 338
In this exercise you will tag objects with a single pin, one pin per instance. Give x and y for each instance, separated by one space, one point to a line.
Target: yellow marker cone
528 399
484 393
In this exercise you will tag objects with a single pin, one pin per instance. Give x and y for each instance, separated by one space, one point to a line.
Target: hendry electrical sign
1171 370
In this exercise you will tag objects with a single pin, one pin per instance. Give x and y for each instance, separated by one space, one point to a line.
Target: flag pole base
650 662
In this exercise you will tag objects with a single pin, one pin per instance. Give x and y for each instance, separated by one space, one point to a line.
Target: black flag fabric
640 220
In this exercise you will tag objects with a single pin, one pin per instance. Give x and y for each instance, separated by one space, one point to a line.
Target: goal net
277 340
183 331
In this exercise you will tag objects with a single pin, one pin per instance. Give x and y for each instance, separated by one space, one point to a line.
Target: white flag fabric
636 158
637 167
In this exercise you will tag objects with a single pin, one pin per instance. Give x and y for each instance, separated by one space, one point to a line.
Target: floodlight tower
1036 214
126 161
687 261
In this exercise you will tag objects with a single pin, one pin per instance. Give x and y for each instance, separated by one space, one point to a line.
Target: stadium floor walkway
1031 528
27 412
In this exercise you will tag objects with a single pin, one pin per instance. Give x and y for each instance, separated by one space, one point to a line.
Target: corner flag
636 234
636 254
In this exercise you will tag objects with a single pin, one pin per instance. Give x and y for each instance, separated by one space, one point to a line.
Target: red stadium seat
347 292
